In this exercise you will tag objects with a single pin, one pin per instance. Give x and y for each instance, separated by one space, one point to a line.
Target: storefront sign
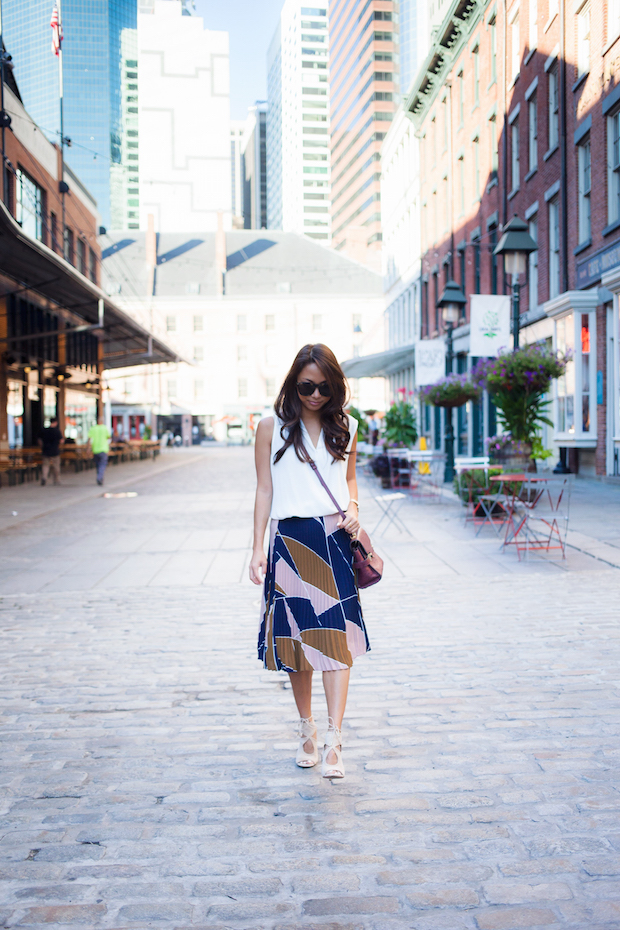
489 330
590 270
430 361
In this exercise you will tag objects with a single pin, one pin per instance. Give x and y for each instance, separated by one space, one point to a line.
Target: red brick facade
485 76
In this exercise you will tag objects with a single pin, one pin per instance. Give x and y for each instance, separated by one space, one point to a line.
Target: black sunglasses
307 388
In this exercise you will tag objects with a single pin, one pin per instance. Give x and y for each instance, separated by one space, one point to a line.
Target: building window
199 353
476 246
476 72
532 111
461 185
270 387
554 248
69 249
476 148
54 230
317 322
532 277
493 141
575 334
461 81
242 387
613 19
515 47
92 265
554 117
198 324
462 269
270 321
585 179
357 322
533 24
242 353
514 153
493 38
172 388
199 389
613 168
583 40
242 322
81 256
29 204
171 324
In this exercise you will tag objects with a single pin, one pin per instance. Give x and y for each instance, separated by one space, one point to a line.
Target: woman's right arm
264 491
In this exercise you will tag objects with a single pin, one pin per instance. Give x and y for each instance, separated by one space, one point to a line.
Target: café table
522 493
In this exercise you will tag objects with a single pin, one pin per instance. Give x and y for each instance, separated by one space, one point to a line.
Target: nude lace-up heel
307 733
333 743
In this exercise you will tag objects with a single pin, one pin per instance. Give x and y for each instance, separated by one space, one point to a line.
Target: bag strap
312 465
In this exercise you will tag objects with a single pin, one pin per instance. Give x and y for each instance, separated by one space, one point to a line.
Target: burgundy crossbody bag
367 565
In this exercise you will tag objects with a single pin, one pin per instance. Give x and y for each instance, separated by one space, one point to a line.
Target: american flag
56 32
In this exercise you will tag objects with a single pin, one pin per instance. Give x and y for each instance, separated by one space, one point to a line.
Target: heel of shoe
333 743
307 732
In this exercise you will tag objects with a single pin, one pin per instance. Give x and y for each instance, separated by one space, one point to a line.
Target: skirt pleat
311 615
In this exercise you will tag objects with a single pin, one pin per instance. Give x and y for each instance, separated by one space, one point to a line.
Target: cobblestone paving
146 758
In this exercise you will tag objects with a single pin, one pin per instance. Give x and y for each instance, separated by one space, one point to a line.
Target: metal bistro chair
466 482
546 515
390 505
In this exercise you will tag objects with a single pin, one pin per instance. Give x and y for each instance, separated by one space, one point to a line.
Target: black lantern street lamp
451 302
515 245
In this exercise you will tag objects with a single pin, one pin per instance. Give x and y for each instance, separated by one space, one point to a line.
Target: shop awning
380 365
35 267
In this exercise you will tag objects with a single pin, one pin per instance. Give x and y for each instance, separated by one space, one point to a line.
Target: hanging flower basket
451 391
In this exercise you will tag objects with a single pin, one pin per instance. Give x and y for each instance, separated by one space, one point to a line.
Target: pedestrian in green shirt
99 443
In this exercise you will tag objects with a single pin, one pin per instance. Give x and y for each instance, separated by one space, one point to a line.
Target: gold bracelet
353 501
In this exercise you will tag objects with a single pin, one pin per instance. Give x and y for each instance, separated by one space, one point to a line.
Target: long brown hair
333 419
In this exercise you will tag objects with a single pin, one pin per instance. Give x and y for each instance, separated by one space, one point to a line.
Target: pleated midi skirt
311 613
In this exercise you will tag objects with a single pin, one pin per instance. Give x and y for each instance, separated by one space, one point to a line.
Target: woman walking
312 618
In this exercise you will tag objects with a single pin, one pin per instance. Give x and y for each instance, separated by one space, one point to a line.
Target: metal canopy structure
380 365
35 267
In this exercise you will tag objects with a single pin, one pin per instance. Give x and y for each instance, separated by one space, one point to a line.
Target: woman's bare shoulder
264 429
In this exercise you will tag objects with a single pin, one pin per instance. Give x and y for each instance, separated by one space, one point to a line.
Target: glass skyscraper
100 91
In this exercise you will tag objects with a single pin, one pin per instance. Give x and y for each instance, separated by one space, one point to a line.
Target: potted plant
452 391
517 382
362 423
400 424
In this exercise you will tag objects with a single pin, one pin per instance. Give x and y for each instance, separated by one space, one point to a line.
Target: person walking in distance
311 617
99 443
50 441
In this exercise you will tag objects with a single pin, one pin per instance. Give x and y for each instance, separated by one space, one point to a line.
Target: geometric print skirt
311 614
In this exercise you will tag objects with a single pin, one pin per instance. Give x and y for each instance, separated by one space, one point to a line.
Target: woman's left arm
351 522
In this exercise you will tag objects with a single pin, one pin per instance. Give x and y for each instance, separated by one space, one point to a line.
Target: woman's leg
301 683
336 686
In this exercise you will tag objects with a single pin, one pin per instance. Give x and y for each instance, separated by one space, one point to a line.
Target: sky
251 24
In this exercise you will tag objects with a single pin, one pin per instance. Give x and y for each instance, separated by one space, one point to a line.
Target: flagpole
62 124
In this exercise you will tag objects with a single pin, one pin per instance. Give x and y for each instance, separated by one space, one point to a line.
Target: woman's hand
258 567
351 522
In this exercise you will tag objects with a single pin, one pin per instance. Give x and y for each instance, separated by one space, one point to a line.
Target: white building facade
298 167
184 120
237 128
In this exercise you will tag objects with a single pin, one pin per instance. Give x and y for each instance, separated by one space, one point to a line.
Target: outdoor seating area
18 466
528 512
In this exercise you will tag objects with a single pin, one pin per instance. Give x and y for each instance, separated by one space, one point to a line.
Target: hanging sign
430 361
489 330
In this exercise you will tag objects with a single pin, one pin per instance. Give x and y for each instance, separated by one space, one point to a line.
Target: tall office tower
298 122
99 72
364 96
254 162
184 118
410 22
237 127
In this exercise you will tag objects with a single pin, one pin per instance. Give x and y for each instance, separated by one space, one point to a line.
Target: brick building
517 109
58 331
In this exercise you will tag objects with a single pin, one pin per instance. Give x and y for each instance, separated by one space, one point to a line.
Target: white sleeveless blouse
297 492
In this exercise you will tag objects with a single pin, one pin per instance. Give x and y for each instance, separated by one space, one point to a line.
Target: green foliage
517 382
539 451
362 423
148 432
400 424
474 481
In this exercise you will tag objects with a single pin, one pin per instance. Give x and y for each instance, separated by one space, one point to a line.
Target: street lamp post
451 302
515 245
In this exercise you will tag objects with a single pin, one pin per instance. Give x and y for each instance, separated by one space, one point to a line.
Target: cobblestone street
147 759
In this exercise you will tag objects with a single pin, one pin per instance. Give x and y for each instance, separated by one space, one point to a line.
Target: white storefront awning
380 365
